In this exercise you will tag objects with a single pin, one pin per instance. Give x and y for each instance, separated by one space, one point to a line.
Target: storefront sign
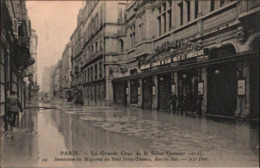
175 51
241 87
153 90
200 88
195 54
173 88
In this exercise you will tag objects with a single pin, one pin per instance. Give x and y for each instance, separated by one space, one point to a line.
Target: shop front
147 92
188 89
120 92
164 92
134 91
222 89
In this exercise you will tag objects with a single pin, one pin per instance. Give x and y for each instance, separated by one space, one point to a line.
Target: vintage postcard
152 83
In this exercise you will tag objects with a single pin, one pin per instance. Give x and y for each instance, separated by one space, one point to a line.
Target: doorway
222 89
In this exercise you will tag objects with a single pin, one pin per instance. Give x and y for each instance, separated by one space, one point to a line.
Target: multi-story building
33 86
199 50
15 51
100 23
76 47
66 70
33 51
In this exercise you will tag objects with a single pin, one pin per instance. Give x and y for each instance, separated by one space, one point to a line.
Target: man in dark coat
13 107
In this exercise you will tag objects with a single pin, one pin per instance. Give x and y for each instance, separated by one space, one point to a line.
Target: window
96 46
100 69
222 2
164 22
212 5
181 12
188 10
121 45
170 18
101 45
88 74
160 25
91 73
95 71
164 19
196 8
132 35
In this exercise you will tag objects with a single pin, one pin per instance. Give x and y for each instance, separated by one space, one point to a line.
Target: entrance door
164 91
134 91
120 92
188 89
222 90
147 93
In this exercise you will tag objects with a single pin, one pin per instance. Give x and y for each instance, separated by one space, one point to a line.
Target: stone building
101 21
196 49
33 51
15 55
66 70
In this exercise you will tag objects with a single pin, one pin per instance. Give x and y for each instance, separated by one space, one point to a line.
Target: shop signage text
200 55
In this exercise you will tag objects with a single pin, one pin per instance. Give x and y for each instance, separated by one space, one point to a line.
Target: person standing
173 101
13 107
199 104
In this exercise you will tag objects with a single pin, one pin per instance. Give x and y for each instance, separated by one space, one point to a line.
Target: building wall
215 25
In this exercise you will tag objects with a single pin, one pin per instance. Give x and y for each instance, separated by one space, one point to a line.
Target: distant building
33 51
66 70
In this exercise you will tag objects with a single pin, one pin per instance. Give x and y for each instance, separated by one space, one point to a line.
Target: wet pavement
117 133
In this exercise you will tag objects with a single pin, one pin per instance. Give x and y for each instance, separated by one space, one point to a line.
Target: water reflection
135 129
44 133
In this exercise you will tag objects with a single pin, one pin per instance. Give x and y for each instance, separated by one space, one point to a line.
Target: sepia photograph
129 83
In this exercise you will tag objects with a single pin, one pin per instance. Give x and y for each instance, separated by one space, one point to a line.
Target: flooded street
118 133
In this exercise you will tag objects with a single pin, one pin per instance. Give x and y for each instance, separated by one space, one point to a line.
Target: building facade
15 51
199 50
66 71
101 21
33 86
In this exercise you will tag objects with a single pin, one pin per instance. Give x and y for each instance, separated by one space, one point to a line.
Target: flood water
117 133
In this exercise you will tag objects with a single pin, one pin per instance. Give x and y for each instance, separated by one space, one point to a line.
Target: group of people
183 104
76 97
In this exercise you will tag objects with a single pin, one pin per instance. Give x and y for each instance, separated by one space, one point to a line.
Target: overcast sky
54 22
